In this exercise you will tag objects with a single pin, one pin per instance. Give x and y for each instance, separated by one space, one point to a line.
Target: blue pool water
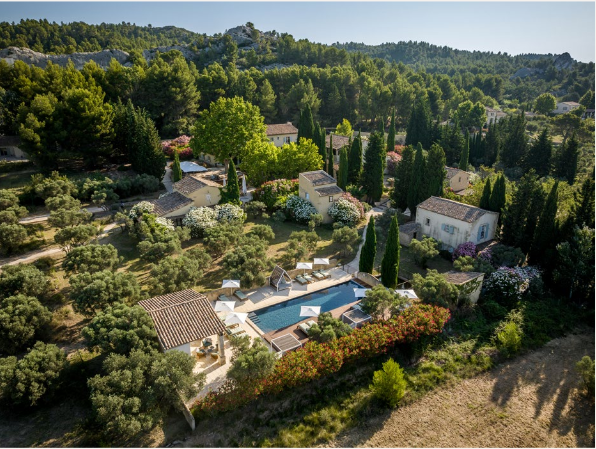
287 313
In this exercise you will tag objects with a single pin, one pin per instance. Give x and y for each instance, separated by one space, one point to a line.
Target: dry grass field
531 401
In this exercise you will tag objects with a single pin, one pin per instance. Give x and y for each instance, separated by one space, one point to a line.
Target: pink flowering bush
275 193
393 159
465 249
178 145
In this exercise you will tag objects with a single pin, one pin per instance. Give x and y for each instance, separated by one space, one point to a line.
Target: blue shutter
479 234
486 231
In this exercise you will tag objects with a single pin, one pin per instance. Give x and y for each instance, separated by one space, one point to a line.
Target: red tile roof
281 128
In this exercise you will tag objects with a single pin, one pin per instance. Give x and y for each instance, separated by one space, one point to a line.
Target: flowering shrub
229 213
198 219
393 159
300 209
316 360
345 212
399 148
486 255
166 223
274 193
144 207
465 249
506 285
179 145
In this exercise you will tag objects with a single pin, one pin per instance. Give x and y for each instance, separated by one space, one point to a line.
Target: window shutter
479 234
450 229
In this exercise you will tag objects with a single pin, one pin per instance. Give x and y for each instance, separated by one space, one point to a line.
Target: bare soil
531 401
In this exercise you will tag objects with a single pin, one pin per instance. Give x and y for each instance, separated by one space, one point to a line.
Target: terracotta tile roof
338 141
182 317
453 209
169 203
195 181
410 228
460 277
329 190
570 103
281 128
452 172
319 177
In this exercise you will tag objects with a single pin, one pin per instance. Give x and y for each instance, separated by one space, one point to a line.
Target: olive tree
74 236
91 258
252 364
24 279
21 318
174 274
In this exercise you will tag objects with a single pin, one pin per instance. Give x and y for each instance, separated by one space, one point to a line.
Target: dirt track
531 401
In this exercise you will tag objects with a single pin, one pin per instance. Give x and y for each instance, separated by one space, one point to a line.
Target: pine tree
539 155
232 189
515 145
465 154
374 166
417 187
355 161
497 196
330 159
516 214
176 170
485 200
435 172
403 178
306 126
452 142
342 174
391 134
566 167
369 249
390 262
267 101
542 250
491 145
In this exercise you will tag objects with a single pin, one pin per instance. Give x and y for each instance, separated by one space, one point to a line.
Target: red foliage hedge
316 360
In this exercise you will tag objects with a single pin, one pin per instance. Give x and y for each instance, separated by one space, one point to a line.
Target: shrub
21 318
299 209
264 232
389 384
12 237
252 364
393 159
465 249
345 212
198 219
91 258
229 213
507 285
346 237
509 338
255 208
424 250
585 368
141 208
272 193
328 328
23 279
279 216
464 263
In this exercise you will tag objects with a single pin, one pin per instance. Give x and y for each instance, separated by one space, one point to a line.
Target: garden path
353 266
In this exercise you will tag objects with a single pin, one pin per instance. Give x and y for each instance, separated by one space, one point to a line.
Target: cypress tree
306 126
452 142
539 155
567 161
419 126
143 143
176 170
391 134
355 161
582 212
369 249
485 200
543 250
465 154
323 144
374 165
403 178
390 262
497 196
342 174
317 140
515 145
532 211
435 172
416 188
491 145
515 217
232 192
330 156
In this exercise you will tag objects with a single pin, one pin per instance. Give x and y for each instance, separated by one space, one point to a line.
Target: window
287 139
564 108
331 199
427 221
447 228
307 196
277 137
483 232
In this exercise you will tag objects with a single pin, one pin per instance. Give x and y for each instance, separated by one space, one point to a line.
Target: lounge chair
308 278
318 275
301 280
235 331
304 327
311 322
325 273
241 296
223 297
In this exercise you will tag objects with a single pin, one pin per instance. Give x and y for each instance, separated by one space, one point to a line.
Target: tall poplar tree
465 154
497 196
390 262
369 249
417 181
543 251
391 133
403 176
435 172
176 170
485 199
539 154
306 126
374 166
342 174
355 161
566 164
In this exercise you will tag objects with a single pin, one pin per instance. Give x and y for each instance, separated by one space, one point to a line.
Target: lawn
16 180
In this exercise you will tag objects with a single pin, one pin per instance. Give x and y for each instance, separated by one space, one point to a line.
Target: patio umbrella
360 292
304 265
244 189
230 283
225 306
235 318
310 310
320 261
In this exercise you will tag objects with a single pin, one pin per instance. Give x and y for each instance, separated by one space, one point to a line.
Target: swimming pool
287 313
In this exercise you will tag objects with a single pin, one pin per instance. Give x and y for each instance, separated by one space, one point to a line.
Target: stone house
468 283
408 232
453 223
458 180
493 115
320 189
565 106
282 133
338 143
9 148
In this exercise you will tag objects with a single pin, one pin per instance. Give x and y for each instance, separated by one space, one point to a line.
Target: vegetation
390 263
389 384
369 249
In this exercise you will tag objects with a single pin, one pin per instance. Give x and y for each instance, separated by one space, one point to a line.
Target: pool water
287 313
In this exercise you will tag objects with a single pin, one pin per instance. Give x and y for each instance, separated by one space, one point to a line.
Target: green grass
16 180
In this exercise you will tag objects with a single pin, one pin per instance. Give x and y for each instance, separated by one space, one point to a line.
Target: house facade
468 284
321 190
282 133
493 115
458 179
453 223
565 106
9 148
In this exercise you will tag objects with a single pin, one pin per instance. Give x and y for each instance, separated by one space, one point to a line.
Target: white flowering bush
198 219
300 209
229 213
344 212
144 207
166 223
507 285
